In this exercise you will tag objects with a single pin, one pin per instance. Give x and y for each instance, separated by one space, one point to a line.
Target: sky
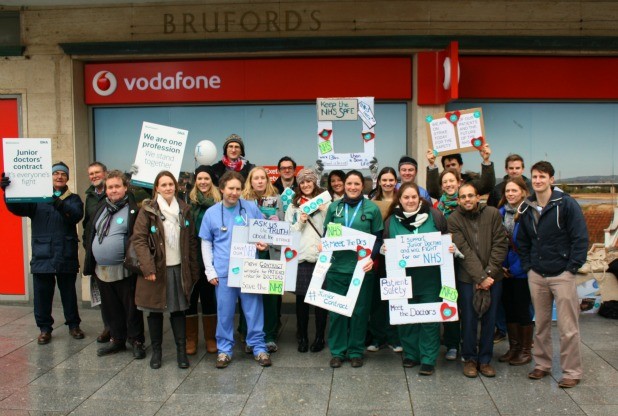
580 139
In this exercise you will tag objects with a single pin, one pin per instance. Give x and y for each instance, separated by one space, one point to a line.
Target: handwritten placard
344 243
28 164
396 288
159 148
243 251
314 203
455 131
345 110
263 276
332 109
400 310
270 232
416 250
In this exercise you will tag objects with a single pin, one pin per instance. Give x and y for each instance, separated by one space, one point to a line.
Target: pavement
66 377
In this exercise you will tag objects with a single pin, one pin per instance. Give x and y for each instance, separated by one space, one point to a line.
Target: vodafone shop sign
247 80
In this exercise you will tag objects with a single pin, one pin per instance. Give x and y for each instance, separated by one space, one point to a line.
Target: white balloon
205 153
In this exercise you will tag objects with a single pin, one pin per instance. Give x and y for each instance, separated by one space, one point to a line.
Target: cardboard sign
417 250
28 164
343 305
396 288
456 131
159 148
314 203
263 276
400 311
270 232
345 109
243 250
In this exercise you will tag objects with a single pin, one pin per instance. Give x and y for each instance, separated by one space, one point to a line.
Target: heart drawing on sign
362 252
289 254
447 311
453 117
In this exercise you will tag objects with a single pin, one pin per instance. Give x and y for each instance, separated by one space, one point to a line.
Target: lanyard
348 224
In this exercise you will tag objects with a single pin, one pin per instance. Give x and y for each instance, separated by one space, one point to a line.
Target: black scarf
408 222
108 212
352 201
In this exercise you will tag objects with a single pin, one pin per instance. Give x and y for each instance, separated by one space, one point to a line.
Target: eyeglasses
467 196
286 168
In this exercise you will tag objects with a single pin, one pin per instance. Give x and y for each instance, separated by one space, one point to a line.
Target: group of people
518 252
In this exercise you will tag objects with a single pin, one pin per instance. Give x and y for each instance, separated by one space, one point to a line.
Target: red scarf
235 165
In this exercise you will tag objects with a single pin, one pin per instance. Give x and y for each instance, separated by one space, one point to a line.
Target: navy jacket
54 233
554 240
512 261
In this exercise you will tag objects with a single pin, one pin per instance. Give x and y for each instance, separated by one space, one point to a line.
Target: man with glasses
480 236
54 252
287 174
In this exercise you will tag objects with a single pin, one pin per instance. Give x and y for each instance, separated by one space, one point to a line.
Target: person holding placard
515 292
450 180
479 234
203 195
216 235
484 182
260 190
409 213
166 247
233 157
346 337
381 333
54 251
335 184
310 226
110 228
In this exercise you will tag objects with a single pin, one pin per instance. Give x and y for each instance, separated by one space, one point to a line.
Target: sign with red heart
362 252
447 311
289 254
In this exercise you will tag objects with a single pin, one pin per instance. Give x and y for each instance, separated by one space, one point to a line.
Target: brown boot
192 332
210 328
514 343
525 337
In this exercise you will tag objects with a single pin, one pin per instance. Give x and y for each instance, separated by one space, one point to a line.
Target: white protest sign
395 288
456 131
314 203
270 232
345 109
243 250
28 164
351 239
263 276
159 148
400 311
416 250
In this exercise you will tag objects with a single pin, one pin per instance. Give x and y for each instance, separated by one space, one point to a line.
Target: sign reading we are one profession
159 148
28 164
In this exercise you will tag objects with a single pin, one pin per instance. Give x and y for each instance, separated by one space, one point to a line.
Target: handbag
131 262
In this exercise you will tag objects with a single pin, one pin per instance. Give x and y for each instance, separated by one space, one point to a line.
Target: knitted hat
234 138
407 160
60 167
307 174
210 171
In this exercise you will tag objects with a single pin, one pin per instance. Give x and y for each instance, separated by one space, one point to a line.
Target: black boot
302 323
155 327
320 328
180 336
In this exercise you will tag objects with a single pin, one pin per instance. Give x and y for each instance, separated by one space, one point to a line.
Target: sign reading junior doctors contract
159 148
27 162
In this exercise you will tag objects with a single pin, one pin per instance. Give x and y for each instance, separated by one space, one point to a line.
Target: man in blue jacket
54 252
553 242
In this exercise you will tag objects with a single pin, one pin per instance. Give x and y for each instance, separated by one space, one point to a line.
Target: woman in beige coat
166 247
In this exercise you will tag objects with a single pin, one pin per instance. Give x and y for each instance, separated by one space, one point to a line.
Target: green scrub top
345 261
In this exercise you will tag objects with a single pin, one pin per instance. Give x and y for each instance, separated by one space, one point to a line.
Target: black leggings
205 293
516 300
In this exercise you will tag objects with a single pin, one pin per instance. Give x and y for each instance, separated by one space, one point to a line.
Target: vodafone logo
104 83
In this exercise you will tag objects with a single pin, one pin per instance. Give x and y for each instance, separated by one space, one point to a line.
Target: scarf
447 204
200 207
412 220
235 165
509 219
171 226
352 201
102 227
